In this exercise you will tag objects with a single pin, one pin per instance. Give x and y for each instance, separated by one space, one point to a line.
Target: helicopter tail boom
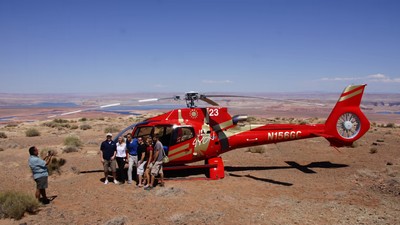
347 122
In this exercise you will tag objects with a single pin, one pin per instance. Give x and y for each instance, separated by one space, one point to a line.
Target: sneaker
129 182
116 182
148 188
106 181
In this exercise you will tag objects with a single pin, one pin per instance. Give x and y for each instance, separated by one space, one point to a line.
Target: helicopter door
164 134
182 134
181 148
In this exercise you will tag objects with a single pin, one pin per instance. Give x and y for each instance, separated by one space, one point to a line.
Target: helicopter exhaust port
239 118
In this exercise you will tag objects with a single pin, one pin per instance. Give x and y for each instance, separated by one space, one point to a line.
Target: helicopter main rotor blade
266 98
158 99
295 101
233 96
209 101
149 100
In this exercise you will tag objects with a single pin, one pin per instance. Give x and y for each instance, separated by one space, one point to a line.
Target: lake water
388 113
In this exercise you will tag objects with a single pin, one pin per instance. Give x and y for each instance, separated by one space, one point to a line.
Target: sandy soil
298 182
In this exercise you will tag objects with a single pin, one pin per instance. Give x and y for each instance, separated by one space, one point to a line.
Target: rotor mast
190 98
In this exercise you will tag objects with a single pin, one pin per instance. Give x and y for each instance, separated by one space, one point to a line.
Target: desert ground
297 182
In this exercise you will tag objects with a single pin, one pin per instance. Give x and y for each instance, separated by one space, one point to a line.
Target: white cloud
159 85
340 78
382 78
217 81
377 76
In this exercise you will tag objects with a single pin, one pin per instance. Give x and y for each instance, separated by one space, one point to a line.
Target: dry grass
73 141
55 165
85 127
111 129
32 132
354 145
257 149
14 204
69 149
11 125
373 150
3 135
57 123
390 125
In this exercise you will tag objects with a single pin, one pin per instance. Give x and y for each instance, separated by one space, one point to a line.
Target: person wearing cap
108 150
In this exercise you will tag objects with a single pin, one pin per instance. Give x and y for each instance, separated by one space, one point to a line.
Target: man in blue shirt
40 172
131 152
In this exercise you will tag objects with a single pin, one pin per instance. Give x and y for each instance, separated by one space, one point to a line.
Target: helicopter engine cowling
239 118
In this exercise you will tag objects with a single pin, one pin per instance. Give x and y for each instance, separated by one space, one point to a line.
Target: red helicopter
194 134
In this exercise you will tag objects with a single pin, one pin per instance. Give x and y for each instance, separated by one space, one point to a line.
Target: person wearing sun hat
108 150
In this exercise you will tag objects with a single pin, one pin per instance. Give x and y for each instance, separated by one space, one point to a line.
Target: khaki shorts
157 168
110 163
41 182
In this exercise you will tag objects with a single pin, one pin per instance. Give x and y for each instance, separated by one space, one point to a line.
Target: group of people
144 154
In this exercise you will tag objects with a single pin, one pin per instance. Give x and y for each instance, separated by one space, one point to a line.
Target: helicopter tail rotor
347 122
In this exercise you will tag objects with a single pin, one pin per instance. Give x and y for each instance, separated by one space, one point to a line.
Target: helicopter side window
143 131
182 134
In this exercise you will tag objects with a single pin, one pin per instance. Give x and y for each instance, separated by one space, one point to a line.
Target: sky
96 46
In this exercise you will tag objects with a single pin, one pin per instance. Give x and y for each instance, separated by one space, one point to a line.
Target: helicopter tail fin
347 122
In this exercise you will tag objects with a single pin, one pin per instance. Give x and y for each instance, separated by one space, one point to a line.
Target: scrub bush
3 135
74 127
69 149
390 125
373 150
55 165
256 149
73 141
111 129
85 127
11 125
57 123
14 204
32 132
